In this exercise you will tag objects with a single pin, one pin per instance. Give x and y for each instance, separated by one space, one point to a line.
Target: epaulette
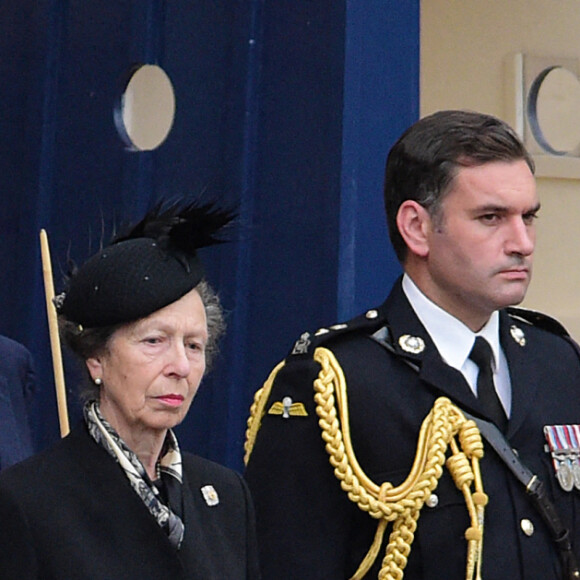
308 342
538 319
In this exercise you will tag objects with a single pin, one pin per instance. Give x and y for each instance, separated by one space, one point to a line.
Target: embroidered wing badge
287 408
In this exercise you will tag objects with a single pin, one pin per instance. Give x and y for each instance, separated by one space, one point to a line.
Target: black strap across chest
535 488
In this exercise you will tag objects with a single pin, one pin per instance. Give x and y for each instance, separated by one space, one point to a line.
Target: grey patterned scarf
169 468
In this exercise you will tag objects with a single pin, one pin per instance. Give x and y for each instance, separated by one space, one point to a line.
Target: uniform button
432 501
527 527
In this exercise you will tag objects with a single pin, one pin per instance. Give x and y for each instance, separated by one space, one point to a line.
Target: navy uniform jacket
308 528
70 513
17 380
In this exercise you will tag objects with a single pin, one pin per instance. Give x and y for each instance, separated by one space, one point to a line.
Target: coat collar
406 332
404 329
515 346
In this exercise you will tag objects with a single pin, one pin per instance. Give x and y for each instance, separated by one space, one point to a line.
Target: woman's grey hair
91 342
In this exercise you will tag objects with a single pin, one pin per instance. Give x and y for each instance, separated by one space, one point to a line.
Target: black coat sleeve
304 519
18 558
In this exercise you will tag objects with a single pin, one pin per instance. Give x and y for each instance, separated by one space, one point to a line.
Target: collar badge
518 335
412 344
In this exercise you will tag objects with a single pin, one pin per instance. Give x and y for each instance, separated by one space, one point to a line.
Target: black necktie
481 355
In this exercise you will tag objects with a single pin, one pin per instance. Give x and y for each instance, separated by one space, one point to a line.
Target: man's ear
414 224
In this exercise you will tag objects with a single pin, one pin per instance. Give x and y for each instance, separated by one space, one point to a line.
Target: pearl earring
98 381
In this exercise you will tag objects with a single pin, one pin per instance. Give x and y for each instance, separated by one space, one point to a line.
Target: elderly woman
116 498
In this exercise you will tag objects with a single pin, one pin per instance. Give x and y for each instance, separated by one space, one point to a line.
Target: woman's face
152 369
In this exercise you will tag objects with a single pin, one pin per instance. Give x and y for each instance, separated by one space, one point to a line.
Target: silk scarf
168 468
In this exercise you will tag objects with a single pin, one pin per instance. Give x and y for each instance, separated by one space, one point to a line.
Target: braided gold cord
402 504
257 411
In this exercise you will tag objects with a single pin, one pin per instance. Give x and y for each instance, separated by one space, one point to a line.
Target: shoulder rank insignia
302 344
287 408
564 445
538 319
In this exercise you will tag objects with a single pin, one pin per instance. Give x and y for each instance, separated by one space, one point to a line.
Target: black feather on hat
152 265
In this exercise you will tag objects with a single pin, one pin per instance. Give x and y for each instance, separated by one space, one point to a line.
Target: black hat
151 266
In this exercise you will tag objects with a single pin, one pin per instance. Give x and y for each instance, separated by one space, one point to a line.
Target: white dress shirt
454 341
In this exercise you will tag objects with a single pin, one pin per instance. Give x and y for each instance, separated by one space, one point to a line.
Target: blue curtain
286 107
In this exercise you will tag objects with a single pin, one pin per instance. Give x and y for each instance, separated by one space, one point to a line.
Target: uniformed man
365 450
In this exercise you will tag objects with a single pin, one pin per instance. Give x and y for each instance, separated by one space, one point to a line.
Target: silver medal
564 447
565 476
576 472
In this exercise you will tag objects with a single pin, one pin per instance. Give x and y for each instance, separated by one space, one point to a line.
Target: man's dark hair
424 161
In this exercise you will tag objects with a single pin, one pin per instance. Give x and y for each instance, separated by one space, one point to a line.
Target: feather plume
182 228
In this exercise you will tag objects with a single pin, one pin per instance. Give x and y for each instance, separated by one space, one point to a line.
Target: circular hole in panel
145 113
555 110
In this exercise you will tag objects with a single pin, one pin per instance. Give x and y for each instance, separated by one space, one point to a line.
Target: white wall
465 45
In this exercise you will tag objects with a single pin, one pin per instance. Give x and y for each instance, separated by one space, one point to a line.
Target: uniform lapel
523 387
449 381
433 370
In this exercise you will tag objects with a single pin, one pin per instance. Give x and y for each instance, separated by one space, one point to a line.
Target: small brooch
210 495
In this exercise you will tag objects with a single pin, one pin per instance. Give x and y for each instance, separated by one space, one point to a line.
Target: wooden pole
54 337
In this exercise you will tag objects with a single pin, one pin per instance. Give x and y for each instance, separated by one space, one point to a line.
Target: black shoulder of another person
368 323
539 320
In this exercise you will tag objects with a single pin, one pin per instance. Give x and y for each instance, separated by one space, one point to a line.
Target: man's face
480 244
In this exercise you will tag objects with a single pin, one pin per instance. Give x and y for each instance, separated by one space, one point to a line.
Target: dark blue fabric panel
72 174
287 108
208 54
381 100
24 46
297 187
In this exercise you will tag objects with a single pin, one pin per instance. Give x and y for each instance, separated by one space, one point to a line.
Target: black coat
70 513
308 528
